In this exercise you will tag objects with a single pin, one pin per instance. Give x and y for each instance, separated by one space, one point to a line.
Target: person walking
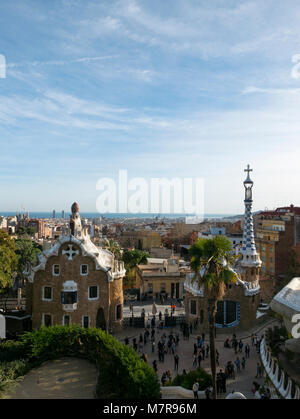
134 344
203 352
247 350
195 389
219 383
195 349
207 393
173 347
217 358
195 361
241 346
199 359
154 363
163 379
243 363
238 364
176 362
207 350
235 345
223 381
258 371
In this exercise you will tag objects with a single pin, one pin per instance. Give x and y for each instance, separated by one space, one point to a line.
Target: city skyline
195 90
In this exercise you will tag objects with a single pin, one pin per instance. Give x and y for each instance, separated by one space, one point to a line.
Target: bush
187 380
11 350
9 371
122 374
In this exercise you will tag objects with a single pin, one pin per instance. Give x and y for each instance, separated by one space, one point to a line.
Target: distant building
161 277
160 252
53 214
3 222
41 227
140 239
277 235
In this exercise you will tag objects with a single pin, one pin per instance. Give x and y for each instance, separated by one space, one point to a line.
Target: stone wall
248 308
109 294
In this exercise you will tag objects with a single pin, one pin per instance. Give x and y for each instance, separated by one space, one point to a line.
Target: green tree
8 260
131 259
211 260
26 231
27 251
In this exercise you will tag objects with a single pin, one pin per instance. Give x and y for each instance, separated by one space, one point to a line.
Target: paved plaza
76 378
138 306
243 380
64 378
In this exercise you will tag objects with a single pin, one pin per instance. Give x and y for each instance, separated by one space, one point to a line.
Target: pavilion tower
250 261
75 221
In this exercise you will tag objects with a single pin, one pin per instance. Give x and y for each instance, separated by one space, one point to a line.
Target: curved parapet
277 375
104 260
287 302
236 395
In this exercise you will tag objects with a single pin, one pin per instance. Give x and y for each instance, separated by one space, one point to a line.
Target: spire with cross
248 170
248 183
250 256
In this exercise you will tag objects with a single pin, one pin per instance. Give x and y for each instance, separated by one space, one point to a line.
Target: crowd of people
165 344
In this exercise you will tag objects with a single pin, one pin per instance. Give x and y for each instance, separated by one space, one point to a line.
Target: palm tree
211 260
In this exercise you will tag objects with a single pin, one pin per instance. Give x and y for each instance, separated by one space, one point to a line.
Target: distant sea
114 215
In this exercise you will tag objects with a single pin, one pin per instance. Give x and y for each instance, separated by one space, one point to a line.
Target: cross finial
248 169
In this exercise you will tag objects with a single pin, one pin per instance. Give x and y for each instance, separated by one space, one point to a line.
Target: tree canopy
8 260
211 260
27 251
132 258
26 231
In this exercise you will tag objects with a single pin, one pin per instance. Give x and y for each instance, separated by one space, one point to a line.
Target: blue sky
173 88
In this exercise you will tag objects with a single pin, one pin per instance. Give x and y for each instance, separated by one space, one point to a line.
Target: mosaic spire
249 253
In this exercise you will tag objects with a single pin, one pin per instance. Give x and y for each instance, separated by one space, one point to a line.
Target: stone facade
76 283
247 309
160 277
143 239
238 309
